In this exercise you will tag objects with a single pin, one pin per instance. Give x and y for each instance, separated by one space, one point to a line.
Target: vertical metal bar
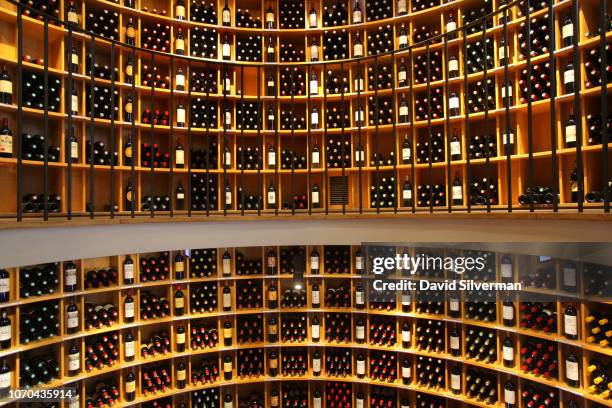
553 112
361 81
172 149
92 112
604 100
468 174
308 149
507 113
152 180
19 110
260 112
67 141
134 143
430 164
242 137
112 132
529 111
448 130
376 135
397 148
224 134
343 125
577 103
486 120
324 148
46 117
411 115
189 116
292 155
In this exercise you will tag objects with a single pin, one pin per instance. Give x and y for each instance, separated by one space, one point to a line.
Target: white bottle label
360 367
508 353
312 20
315 157
227 367
358 84
314 53
359 156
571 370
454 342
401 76
508 312
403 40
74 59
357 16
455 148
316 402
502 52
406 296
228 199
226 16
129 309
271 158
506 270
74 103
74 362
180 157
73 320
315 197
360 332
451 26
508 139
455 381
406 372
226 50
568 76
227 300
401 6
314 87
571 326
569 276
406 335
406 153
5 380
130 348
5 333
358 50
570 133
227 158
74 150
359 115
6 144
510 397
180 11
316 331
228 119
457 193
128 271
359 298
359 403
407 194
453 103
180 338
227 405
6 86
227 84
180 115
359 259
314 262
567 30
73 17
271 197
316 365
403 110
180 80
454 305
503 91
453 65
227 264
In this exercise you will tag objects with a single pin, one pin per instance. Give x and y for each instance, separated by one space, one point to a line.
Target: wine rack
208 354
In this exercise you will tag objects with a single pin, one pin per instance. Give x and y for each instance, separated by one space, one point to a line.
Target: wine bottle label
571 370
73 319
74 401
453 65
74 150
357 17
179 302
227 333
5 333
130 386
316 402
571 326
358 50
226 50
508 353
180 11
272 295
6 86
128 196
131 32
180 115
402 76
506 270
457 193
128 107
227 367
454 342
129 70
359 259
228 198
360 332
272 158
74 362
179 157
314 53
228 404
227 263
180 338
6 144
315 197
226 16
129 309
569 276
508 139
314 87
271 50
271 262
359 84
273 329
407 194
72 17
456 381
5 380
315 157
360 367
314 262
455 148
128 152
270 18
316 365
568 76
128 271
181 374
274 363
502 52
405 335
270 84
359 298
180 80
567 31
316 331
271 197
227 158
406 372
454 305
227 300
508 312
503 91
510 396
359 115
227 84
180 265
406 296
570 133
403 110
453 103
74 58
451 26
316 298
71 278
130 348
74 105
312 20
403 39
314 119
